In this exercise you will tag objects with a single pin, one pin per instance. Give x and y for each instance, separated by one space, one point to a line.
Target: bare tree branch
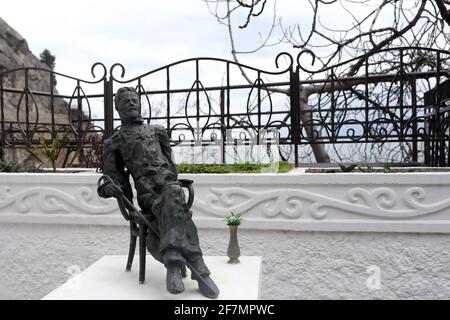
359 28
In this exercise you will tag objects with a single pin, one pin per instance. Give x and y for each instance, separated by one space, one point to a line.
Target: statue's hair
120 93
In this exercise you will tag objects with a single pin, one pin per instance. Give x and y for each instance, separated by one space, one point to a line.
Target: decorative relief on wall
292 203
380 202
272 203
53 200
417 203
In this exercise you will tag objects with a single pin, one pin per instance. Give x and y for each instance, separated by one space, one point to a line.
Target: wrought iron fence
388 106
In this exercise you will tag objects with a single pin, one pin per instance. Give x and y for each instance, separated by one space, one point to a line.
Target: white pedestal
107 279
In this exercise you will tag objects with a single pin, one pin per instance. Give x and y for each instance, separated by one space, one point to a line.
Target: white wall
296 265
345 202
317 233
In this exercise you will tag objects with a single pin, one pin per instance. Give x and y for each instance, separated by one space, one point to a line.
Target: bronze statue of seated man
145 151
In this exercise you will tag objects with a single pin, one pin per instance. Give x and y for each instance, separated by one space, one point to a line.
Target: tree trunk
306 117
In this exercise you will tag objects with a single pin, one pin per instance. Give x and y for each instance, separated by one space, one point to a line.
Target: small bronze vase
233 245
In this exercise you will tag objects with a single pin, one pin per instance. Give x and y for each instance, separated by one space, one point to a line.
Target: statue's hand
112 190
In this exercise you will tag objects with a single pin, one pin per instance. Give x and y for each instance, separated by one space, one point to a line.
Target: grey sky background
140 34
145 34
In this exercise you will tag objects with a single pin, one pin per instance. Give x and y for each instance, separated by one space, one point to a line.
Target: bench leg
142 252
132 249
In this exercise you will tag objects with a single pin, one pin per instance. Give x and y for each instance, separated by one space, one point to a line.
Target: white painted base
107 279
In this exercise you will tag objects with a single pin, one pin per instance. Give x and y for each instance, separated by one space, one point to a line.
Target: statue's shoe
174 280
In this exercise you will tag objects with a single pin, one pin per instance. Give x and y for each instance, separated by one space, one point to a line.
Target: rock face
14 50
14 54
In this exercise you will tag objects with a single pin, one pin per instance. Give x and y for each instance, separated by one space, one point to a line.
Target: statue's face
129 107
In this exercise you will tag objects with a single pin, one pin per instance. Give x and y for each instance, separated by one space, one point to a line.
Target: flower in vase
233 219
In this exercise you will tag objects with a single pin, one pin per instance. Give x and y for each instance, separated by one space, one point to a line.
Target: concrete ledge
362 202
107 279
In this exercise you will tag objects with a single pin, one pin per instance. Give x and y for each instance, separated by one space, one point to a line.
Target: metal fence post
222 124
2 119
108 108
295 111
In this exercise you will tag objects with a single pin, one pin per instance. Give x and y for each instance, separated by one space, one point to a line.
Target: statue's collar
132 123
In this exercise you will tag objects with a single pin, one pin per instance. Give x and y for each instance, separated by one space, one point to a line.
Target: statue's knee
173 191
172 197
147 200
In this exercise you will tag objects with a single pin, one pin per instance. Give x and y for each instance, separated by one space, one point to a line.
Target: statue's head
128 105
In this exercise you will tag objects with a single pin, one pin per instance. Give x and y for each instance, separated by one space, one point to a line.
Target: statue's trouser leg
178 233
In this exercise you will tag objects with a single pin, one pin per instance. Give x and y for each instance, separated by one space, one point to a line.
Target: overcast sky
146 34
141 34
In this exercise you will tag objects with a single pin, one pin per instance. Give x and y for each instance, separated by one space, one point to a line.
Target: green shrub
281 167
51 152
367 169
284 167
11 166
